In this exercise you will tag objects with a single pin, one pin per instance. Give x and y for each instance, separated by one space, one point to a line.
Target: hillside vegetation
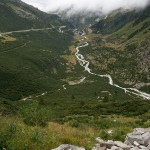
17 15
48 99
123 38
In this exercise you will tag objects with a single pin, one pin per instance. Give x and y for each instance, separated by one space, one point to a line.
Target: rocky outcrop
110 145
139 139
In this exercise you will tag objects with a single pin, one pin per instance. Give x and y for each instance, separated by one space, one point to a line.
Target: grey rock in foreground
68 147
139 139
110 145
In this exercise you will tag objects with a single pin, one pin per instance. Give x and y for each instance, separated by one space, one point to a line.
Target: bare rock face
68 147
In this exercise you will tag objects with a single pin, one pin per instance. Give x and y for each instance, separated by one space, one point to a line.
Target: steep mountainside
125 38
17 15
30 61
117 20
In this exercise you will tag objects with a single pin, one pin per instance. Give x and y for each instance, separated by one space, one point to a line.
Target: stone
109 144
136 143
147 130
114 148
68 147
98 147
132 137
146 137
134 148
122 145
140 135
138 131
99 140
103 144
127 143
143 147
143 139
109 131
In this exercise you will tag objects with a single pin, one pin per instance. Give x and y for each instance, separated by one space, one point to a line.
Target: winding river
84 63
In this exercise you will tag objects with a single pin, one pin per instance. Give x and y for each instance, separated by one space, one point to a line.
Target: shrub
74 123
104 135
119 135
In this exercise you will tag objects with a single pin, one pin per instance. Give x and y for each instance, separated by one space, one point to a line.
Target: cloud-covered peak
104 6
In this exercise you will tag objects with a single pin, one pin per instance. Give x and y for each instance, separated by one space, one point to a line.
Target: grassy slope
34 67
18 16
75 115
58 117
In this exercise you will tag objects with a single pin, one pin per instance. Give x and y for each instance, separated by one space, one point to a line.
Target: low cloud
94 6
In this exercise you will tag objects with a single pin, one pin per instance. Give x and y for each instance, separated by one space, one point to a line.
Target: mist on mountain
94 6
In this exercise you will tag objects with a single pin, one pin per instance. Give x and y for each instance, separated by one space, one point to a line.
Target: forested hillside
17 15
125 39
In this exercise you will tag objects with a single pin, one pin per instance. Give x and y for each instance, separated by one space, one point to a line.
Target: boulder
142 139
138 131
109 144
127 143
114 148
132 137
68 147
99 140
122 145
147 130
98 147
139 139
143 147
146 137
134 148
136 143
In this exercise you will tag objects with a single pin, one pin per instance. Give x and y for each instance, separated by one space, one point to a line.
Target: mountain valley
56 80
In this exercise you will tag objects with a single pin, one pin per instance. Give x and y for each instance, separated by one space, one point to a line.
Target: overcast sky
90 5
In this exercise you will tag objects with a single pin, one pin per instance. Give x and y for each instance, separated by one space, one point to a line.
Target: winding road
84 63
29 30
